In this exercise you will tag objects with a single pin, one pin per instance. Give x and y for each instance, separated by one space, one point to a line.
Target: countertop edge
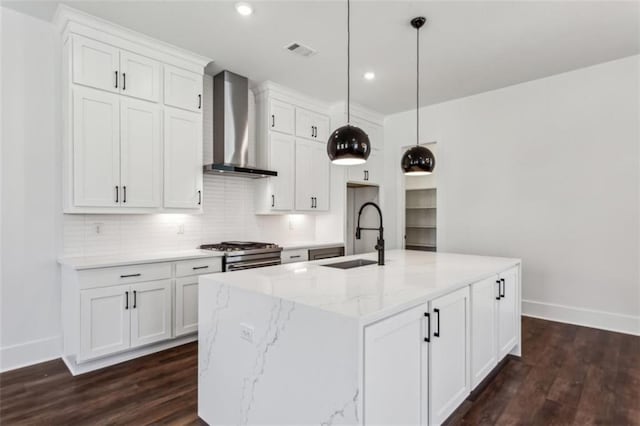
79 263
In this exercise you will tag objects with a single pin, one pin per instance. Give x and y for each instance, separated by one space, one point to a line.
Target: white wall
547 171
31 191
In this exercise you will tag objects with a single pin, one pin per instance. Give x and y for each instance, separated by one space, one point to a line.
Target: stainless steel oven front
239 262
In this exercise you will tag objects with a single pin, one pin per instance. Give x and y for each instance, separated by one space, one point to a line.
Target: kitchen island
402 343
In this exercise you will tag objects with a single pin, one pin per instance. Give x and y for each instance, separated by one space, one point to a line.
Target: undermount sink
356 263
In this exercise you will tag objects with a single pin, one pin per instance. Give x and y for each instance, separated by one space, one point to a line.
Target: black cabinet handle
273 200
130 275
195 268
428 338
199 197
134 299
312 131
498 296
503 288
273 120
124 81
117 192
437 332
297 256
311 202
199 101
124 191
126 298
116 79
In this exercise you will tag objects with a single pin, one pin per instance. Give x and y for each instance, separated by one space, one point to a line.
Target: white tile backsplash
228 215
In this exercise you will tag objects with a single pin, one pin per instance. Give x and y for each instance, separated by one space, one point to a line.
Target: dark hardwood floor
567 375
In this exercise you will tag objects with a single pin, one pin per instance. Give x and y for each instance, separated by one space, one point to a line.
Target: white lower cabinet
104 321
396 370
448 354
186 305
121 317
494 322
508 312
108 312
484 328
150 312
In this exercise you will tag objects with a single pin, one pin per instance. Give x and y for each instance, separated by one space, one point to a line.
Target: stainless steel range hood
231 128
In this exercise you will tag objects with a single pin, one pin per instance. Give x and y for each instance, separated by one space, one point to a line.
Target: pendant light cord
348 62
417 86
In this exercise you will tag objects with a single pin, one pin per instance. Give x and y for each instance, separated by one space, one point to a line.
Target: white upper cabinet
115 89
282 155
281 117
311 125
448 356
182 88
484 328
370 173
140 76
312 176
395 370
96 64
182 159
96 148
141 153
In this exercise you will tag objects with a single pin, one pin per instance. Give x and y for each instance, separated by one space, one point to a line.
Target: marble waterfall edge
258 358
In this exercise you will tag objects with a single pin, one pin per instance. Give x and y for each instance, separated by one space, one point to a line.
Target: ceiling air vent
300 49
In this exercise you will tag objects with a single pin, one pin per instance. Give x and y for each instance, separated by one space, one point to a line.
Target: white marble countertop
309 244
368 292
90 262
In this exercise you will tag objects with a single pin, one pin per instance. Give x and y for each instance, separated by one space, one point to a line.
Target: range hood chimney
231 128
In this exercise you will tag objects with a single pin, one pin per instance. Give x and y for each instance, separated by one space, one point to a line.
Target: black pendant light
418 160
348 145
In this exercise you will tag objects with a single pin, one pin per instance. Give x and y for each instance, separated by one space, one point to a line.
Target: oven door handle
249 265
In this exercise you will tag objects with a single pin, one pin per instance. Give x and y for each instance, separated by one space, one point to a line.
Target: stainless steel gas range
240 255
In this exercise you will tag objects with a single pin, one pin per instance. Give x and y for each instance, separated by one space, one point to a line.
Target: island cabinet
115 313
302 343
494 322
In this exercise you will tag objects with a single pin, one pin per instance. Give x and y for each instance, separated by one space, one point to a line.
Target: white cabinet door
182 88
182 159
281 116
304 182
186 306
95 64
96 148
140 76
320 177
104 321
141 153
367 173
321 123
305 127
484 328
150 312
281 159
448 357
395 370
508 312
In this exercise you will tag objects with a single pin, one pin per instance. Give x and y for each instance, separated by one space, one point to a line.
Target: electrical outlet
181 228
98 227
246 332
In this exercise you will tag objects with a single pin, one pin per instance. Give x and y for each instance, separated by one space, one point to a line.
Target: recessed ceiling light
369 75
244 9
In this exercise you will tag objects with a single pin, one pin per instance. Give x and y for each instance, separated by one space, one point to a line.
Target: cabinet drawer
290 256
198 266
102 277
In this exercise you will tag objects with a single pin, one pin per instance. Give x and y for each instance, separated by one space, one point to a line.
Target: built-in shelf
420 219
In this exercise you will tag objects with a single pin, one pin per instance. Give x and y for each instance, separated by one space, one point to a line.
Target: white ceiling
466 47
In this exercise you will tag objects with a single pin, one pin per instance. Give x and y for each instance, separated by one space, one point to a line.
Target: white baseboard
29 353
610 321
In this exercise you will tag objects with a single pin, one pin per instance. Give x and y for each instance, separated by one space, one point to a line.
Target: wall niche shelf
420 219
